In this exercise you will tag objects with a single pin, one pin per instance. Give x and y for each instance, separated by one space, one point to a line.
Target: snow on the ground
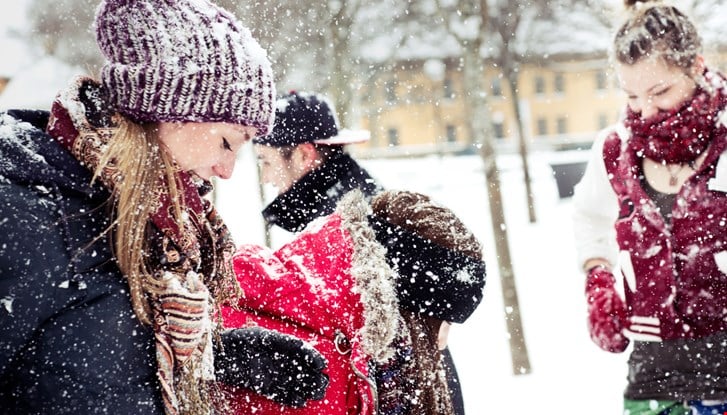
570 375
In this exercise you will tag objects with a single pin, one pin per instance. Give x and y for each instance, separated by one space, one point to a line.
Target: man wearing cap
304 159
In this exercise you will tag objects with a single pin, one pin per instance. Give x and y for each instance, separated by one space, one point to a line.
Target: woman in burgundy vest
651 209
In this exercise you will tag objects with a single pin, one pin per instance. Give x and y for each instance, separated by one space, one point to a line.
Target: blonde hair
657 30
138 167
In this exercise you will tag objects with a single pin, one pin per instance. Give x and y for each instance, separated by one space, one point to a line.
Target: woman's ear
698 67
443 336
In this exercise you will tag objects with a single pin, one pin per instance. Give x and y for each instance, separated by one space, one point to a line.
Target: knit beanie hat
434 280
183 60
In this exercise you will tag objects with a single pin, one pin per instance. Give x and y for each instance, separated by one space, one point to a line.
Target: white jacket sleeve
595 209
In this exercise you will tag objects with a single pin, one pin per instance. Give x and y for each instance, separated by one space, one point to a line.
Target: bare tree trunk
261 193
522 143
505 26
481 133
341 87
341 78
513 320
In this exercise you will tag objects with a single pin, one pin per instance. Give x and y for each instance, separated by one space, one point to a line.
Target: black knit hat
307 118
433 280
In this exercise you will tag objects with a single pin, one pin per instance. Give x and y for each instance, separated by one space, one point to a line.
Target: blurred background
488 106
410 71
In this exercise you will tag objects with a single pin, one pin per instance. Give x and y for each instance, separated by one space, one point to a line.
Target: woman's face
207 148
652 86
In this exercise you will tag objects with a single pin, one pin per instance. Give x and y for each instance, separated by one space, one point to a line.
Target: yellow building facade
563 102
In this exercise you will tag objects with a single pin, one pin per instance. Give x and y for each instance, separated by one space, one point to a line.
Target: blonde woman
112 262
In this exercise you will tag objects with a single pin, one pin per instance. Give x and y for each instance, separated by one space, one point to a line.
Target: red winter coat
330 286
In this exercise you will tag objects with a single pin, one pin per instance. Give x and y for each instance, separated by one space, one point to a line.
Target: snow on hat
183 60
434 280
302 117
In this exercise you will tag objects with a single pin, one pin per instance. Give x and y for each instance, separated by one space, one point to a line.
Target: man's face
282 167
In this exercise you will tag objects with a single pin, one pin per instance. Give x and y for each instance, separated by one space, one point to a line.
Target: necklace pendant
672 181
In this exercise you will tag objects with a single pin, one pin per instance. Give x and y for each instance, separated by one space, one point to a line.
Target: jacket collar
33 157
309 197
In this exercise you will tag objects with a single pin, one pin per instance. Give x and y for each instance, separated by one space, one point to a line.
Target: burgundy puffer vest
675 276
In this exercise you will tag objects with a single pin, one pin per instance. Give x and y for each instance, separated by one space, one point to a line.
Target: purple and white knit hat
183 61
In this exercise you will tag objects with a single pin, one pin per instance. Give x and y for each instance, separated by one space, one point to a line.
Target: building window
417 94
601 81
602 121
451 133
559 84
393 135
561 125
448 88
542 125
496 87
539 85
498 129
374 141
390 89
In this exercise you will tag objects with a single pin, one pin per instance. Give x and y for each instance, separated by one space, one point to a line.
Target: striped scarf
190 261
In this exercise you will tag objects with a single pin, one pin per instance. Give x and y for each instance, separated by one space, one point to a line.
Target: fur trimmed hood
375 280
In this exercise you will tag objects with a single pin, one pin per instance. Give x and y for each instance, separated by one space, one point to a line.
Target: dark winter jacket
62 298
317 193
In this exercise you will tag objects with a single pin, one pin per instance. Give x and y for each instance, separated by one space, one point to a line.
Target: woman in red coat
338 286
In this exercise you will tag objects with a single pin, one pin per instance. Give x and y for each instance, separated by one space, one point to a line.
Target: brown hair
325 151
139 165
657 30
417 213
426 368
286 152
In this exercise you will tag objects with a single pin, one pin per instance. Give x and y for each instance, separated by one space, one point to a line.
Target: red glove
606 311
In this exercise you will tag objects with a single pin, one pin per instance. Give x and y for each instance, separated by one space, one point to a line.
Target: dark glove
606 311
276 365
